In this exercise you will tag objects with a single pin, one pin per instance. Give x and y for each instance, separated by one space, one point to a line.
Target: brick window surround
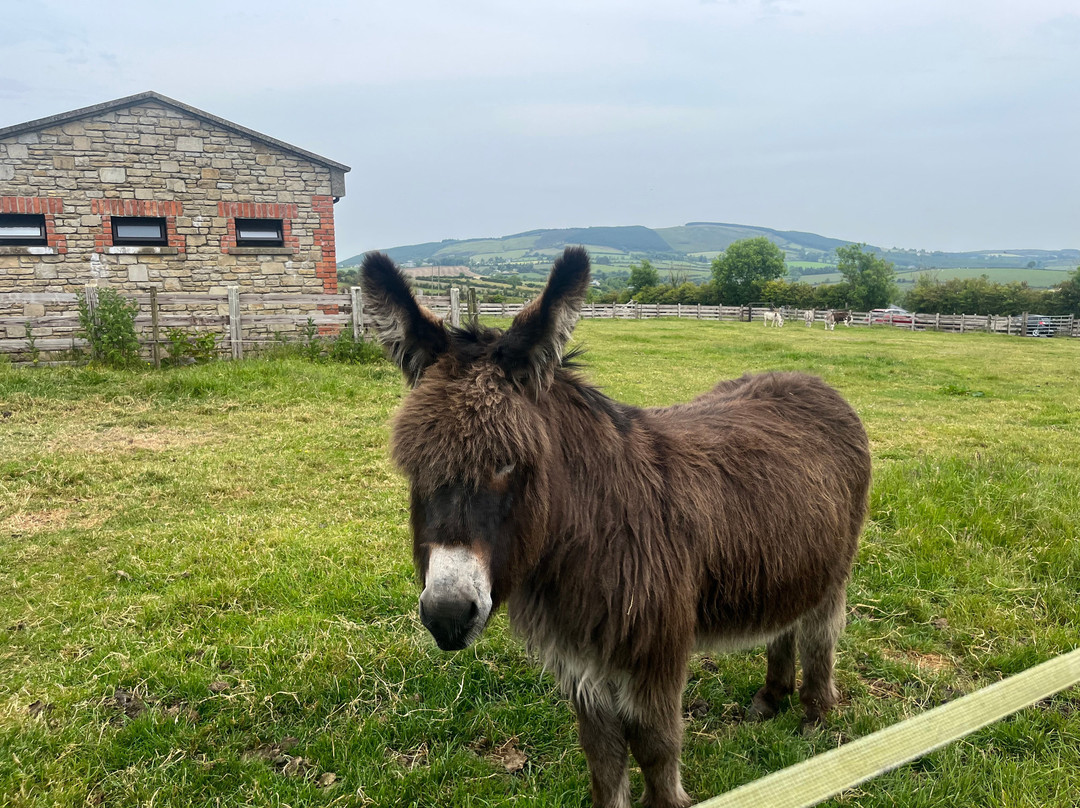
108 208
326 268
258 210
46 206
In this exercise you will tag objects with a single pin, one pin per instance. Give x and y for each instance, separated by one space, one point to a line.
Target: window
259 233
139 230
22 229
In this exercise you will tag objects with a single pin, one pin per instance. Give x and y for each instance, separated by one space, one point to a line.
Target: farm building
145 191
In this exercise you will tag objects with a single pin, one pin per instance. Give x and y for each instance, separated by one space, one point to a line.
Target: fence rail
49 321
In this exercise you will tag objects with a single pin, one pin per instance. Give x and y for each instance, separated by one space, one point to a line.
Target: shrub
184 348
110 328
345 348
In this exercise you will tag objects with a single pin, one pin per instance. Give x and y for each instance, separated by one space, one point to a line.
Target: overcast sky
934 124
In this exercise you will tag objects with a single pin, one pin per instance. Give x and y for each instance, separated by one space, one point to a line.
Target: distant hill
691 247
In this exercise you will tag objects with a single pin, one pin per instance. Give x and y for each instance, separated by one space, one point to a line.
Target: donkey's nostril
423 612
474 610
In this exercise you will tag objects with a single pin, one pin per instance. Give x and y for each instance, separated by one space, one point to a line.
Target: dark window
139 230
22 229
259 233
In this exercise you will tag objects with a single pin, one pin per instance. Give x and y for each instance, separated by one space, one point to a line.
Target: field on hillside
1036 278
209 598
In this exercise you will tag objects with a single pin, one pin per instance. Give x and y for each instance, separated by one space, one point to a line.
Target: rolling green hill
690 248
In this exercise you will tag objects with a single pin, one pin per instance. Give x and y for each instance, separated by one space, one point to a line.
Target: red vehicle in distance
893 315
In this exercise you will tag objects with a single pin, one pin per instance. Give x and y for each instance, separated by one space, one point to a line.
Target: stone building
147 191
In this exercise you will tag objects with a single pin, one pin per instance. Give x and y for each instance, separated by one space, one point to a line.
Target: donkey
774 318
620 538
834 317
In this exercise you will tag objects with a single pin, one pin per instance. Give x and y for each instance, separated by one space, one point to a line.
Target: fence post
1023 324
937 321
154 330
455 307
473 309
914 317
357 313
961 323
235 331
699 311
90 294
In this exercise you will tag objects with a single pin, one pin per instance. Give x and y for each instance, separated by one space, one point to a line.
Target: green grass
229 545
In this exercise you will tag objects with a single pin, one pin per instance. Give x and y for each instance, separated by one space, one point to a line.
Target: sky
926 124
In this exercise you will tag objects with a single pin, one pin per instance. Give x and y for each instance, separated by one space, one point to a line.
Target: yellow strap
808 783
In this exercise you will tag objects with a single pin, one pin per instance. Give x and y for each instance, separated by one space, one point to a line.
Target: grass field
207 593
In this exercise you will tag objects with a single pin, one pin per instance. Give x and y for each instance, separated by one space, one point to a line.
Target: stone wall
151 159
181 167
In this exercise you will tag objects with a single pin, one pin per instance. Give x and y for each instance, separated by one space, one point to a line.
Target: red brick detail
258 210
47 205
326 267
31 204
57 241
137 207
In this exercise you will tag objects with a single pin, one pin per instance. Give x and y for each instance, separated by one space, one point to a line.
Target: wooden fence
48 322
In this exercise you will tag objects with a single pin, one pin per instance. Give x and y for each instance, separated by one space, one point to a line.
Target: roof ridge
151 95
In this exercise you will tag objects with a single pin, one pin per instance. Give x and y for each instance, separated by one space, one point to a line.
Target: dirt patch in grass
28 523
935 663
121 439
409 759
506 755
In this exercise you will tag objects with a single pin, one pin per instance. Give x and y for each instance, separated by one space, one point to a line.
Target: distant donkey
621 538
774 318
834 317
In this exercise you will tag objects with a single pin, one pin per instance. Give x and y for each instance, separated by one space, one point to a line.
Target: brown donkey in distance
620 538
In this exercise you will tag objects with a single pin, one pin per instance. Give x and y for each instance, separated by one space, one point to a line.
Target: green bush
185 348
342 348
110 328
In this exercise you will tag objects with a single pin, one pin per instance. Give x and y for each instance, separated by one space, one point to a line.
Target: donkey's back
773 493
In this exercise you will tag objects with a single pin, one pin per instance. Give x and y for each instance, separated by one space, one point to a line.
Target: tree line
753 271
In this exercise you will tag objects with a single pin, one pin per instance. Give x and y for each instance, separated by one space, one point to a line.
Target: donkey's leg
779 678
818 632
600 731
653 721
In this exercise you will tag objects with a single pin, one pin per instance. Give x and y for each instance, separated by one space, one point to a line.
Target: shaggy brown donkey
621 538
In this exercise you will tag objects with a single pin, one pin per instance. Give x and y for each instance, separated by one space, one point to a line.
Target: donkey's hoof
811 725
760 709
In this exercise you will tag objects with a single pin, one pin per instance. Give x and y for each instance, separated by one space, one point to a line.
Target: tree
870 278
745 267
643 276
1067 294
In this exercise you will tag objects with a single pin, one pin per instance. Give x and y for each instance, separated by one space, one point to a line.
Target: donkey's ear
410 333
532 347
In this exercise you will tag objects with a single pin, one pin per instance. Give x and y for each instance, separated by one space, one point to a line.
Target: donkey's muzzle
451 621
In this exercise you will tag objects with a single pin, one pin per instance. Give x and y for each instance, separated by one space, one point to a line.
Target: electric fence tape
818 778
